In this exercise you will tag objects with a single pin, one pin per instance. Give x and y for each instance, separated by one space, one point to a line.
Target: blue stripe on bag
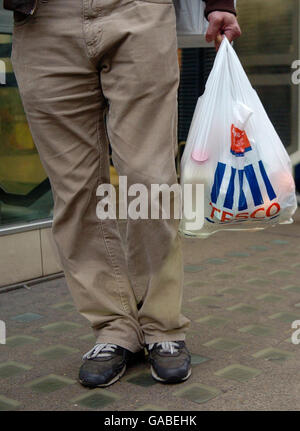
230 191
270 190
219 175
254 187
242 200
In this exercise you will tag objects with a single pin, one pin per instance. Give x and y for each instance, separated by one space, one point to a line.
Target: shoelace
97 351
167 346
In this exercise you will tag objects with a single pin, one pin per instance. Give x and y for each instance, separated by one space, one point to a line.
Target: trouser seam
109 253
89 47
131 268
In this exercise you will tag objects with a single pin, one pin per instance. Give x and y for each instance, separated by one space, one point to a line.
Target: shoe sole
173 379
104 385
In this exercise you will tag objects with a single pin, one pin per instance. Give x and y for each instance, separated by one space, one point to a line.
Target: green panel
143 379
50 383
150 408
233 290
56 352
258 330
205 300
242 308
98 399
271 354
64 306
292 288
11 369
197 359
285 317
269 297
27 317
193 268
7 404
60 327
214 321
197 393
224 344
20 340
238 372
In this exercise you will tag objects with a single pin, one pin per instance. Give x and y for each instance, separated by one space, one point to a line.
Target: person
90 73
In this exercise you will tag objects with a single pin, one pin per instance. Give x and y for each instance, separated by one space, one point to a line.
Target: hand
220 24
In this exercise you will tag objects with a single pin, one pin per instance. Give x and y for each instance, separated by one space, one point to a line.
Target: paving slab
241 293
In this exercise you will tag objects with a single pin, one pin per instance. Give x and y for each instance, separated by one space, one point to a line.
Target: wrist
219 6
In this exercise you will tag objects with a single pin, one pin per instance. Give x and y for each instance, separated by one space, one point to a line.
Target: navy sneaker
170 361
103 365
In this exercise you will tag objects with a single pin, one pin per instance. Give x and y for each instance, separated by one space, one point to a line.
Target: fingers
215 23
232 32
222 23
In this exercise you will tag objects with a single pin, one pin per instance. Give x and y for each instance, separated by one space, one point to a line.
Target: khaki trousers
92 72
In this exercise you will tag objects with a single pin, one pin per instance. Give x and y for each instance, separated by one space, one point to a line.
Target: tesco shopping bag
235 152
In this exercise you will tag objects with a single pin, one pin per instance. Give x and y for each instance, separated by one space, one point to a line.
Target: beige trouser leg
75 60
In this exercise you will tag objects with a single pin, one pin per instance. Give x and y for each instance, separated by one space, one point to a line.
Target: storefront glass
25 194
267 49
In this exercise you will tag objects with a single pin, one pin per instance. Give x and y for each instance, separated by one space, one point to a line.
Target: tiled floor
242 292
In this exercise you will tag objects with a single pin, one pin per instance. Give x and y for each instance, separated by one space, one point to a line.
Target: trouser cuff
132 347
160 338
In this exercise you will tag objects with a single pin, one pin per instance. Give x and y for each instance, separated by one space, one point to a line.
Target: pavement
242 293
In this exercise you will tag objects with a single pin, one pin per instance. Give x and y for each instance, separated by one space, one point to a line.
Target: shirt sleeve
219 5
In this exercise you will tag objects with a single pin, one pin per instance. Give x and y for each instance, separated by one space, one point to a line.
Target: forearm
219 5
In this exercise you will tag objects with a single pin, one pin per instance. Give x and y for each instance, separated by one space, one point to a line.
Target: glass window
25 194
267 48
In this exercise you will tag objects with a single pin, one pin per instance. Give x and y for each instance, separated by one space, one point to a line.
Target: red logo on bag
239 141
259 213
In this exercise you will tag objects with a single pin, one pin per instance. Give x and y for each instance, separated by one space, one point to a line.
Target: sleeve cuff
219 5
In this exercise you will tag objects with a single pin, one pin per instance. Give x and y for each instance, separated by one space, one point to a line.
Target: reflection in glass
25 193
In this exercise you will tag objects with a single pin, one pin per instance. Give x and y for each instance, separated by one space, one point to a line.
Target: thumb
218 40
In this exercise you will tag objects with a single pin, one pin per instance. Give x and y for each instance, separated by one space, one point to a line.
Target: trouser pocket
23 10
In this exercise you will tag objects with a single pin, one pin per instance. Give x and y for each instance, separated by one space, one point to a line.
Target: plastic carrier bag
235 152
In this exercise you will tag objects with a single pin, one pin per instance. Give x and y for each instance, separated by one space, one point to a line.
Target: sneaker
170 361
103 365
